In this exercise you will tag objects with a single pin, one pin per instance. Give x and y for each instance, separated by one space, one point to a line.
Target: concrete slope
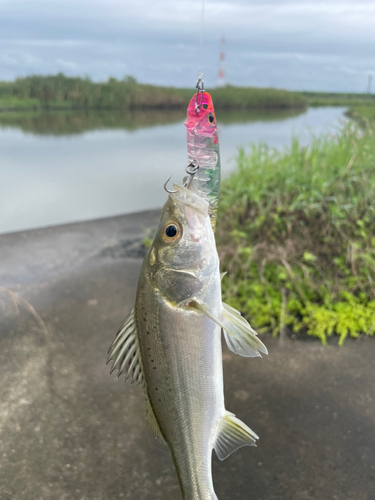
69 430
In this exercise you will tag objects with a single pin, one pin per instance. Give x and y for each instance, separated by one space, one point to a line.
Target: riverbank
70 430
364 115
296 235
61 92
338 99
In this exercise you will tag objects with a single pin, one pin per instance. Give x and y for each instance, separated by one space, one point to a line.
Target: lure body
203 150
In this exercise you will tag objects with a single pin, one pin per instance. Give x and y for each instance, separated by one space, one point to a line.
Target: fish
170 344
203 150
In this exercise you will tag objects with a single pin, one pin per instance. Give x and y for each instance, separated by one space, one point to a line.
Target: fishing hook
165 186
191 169
200 88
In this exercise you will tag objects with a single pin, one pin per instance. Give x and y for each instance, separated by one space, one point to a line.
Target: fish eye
211 117
171 232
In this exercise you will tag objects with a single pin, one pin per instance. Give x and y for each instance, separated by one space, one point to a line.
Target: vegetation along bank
296 234
61 92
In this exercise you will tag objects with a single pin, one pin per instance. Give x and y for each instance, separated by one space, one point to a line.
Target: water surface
66 167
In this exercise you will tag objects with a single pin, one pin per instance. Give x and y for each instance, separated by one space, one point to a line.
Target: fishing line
201 39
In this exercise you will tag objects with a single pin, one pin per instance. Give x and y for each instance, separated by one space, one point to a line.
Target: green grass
16 103
338 99
364 115
296 234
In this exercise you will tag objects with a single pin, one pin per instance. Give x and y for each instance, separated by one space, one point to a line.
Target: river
66 167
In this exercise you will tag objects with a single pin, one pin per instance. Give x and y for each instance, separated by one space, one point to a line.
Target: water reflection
78 122
68 166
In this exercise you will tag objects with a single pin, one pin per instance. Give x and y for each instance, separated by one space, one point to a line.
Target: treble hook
200 88
165 186
191 169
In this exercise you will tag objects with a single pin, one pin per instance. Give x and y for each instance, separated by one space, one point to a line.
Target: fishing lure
203 149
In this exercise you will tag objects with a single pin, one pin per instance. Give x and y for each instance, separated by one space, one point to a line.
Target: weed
296 234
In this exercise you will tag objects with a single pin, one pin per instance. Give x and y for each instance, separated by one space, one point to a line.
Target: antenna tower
221 72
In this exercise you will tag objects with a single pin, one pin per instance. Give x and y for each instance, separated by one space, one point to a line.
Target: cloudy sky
303 45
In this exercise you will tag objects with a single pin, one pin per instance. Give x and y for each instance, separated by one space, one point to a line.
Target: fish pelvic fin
126 356
231 435
239 336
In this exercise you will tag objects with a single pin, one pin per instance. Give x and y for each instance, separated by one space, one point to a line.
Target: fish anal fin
232 434
152 422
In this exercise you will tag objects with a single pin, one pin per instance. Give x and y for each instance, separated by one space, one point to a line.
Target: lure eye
211 117
171 232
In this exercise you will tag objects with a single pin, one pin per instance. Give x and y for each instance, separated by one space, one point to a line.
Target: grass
296 234
364 115
16 103
338 99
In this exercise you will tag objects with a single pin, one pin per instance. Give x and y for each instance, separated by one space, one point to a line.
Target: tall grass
296 234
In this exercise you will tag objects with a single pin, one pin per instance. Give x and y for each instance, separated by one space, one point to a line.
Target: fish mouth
184 196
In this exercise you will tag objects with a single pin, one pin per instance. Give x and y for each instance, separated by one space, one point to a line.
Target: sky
298 45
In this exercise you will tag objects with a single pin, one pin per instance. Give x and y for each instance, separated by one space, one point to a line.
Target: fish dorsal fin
231 435
125 353
239 336
126 357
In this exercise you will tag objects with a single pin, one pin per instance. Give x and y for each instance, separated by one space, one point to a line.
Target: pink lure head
201 115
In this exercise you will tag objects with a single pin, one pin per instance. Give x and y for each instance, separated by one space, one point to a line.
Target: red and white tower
221 71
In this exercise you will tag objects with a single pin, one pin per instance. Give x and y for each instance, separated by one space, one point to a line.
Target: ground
69 430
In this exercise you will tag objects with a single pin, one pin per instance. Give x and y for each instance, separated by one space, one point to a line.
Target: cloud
269 43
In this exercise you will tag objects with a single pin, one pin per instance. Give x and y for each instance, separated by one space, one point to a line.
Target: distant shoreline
60 92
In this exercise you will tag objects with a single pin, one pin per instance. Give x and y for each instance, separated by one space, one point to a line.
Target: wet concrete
69 430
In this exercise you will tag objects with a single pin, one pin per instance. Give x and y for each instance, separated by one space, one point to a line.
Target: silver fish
171 344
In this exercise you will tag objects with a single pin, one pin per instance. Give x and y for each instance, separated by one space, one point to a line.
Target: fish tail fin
232 434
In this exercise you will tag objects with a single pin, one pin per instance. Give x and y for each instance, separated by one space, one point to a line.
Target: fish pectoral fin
125 353
232 434
239 336
222 275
